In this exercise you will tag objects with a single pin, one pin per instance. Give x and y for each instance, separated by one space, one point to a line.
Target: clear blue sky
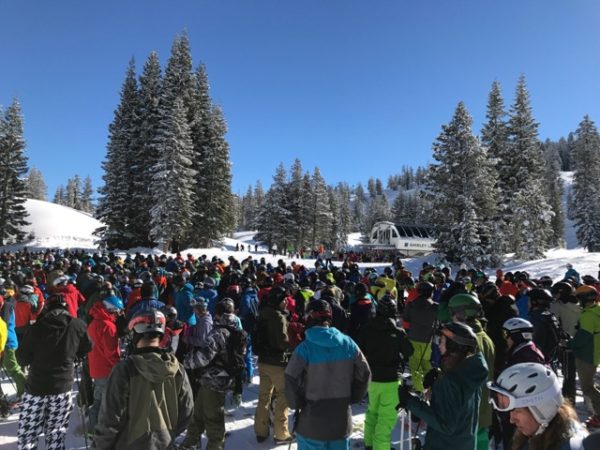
358 88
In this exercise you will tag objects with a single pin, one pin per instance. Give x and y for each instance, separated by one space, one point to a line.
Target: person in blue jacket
452 414
209 292
184 293
148 300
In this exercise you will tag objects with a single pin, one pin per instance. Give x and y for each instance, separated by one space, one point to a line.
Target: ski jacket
361 312
212 297
546 332
50 347
384 345
568 313
206 360
326 374
105 353
3 335
147 403
248 311
25 312
497 312
73 297
272 342
586 342
522 303
420 315
486 347
452 414
524 353
196 335
134 296
8 315
185 312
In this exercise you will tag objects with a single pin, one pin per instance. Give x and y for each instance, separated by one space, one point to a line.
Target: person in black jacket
385 346
50 347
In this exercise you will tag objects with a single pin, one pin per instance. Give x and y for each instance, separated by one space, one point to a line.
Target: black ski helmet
318 311
387 307
540 297
563 290
425 289
460 338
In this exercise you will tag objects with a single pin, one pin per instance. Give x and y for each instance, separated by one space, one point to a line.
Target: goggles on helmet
503 400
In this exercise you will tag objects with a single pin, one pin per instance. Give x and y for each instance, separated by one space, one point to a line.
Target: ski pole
80 408
402 416
409 430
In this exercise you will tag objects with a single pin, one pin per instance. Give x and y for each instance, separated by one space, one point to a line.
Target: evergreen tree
36 186
378 187
320 214
59 195
87 204
259 201
372 187
399 208
344 214
274 218
358 209
554 191
149 150
463 196
378 210
13 189
114 204
172 180
248 210
586 191
530 215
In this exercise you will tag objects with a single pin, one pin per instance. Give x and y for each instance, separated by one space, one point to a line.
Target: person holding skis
50 348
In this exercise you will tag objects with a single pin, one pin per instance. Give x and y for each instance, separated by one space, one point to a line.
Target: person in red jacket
134 296
73 297
105 353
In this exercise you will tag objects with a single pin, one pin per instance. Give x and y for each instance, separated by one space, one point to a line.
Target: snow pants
419 363
209 416
99 388
311 444
10 364
48 414
272 382
381 414
587 380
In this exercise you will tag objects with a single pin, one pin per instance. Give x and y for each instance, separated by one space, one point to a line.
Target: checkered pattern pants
48 414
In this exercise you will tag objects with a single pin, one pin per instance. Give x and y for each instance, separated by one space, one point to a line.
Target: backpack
235 363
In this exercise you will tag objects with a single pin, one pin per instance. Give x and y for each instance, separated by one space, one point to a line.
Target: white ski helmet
518 326
529 385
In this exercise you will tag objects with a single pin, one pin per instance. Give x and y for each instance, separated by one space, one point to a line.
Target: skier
183 296
148 401
50 348
326 374
9 358
531 393
451 415
386 347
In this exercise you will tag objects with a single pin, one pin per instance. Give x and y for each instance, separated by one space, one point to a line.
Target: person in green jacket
586 348
451 415
466 308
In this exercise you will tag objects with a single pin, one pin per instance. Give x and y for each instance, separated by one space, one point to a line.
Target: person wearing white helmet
531 393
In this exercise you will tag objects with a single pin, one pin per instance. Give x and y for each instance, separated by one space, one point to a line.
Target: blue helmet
113 303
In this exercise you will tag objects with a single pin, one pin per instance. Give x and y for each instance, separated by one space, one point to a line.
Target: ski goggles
503 400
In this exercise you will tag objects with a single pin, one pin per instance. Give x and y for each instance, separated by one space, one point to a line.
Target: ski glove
431 377
404 394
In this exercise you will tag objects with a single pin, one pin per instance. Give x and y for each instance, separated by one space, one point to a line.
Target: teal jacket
452 415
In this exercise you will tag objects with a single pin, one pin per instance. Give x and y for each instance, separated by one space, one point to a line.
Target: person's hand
404 395
431 377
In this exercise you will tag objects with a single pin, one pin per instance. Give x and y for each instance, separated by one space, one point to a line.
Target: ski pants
569 374
381 414
48 414
99 388
587 380
419 363
249 359
272 382
209 416
312 444
10 364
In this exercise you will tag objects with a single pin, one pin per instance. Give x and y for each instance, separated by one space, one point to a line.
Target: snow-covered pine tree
13 189
530 219
114 203
320 213
215 196
372 187
297 204
399 208
148 151
87 203
172 179
59 195
461 189
74 192
259 201
36 186
358 209
247 206
378 210
586 191
554 191
494 137
344 213
274 218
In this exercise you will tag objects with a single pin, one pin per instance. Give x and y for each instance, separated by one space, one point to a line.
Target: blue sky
358 88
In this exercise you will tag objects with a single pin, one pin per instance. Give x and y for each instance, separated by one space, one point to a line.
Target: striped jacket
325 375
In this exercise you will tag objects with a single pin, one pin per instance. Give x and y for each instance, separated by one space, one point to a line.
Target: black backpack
235 362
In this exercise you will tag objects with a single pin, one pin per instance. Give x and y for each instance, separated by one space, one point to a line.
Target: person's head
586 295
457 339
489 292
463 307
147 290
56 301
170 313
540 298
425 289
318 313
277 298
532 394
148 327
361 290
387 307
517 331
224 306
562 291
200 305
113 304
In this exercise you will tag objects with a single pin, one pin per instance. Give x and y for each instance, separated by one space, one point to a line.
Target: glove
404 395
431 377
236 400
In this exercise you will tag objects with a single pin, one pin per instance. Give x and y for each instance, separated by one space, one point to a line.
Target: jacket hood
56 323
473 371
228 320
382 323
99 312
154 364
187 287
325 336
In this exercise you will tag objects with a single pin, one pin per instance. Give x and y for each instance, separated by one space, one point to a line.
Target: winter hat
319 311
60 281
26 289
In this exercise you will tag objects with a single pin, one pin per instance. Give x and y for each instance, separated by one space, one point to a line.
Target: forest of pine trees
76 195
167 174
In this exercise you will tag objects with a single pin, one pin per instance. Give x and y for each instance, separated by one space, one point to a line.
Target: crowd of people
155 344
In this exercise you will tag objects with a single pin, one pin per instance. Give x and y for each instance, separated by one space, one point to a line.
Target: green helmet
466 304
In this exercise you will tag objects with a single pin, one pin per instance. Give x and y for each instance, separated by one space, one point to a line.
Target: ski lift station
407 240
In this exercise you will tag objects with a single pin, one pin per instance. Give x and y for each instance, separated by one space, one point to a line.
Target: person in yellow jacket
3 335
